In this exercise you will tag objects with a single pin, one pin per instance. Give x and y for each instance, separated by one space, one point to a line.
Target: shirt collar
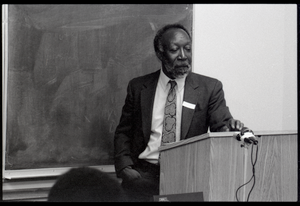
164 80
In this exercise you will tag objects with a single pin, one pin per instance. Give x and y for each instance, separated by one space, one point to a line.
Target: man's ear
159 55
160 51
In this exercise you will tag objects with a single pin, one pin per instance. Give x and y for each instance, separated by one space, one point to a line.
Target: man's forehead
172 34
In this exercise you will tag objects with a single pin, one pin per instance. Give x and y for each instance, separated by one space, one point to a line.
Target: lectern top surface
221 135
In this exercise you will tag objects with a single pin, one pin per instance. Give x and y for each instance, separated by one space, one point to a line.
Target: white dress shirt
151 153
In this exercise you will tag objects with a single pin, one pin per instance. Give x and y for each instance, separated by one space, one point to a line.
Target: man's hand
235 125
232 125
129 174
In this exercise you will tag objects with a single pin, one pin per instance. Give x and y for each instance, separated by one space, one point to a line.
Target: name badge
188 105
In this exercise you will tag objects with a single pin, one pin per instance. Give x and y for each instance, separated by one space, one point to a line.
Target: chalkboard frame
47 172
24 173
4 79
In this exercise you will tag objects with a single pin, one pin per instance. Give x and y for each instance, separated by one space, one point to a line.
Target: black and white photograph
150 103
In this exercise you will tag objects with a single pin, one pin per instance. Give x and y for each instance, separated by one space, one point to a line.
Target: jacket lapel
147 101
190 96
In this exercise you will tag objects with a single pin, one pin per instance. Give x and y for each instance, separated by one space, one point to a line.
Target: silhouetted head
86 184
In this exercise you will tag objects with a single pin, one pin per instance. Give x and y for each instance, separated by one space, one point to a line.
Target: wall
252 49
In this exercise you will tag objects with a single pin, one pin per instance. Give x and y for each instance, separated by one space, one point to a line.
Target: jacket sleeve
218 112
123 134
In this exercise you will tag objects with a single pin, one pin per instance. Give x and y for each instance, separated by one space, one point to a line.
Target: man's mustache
182 65
178 63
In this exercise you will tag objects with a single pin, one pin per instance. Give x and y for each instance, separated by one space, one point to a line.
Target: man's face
176 54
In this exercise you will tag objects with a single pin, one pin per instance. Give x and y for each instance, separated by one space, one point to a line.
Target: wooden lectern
216 164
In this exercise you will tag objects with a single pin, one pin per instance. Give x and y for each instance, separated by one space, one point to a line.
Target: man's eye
188 48
173 50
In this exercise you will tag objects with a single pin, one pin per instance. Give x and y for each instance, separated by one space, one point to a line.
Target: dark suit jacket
133 132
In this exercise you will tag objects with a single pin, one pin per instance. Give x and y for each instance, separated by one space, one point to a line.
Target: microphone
247 136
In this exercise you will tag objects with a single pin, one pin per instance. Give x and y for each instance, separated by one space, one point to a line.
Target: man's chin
177 72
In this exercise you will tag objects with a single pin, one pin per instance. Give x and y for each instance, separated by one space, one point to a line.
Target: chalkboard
68 69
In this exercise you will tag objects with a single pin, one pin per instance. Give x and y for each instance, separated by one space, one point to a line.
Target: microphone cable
253 162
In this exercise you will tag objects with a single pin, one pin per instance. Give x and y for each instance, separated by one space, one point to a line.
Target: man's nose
182 54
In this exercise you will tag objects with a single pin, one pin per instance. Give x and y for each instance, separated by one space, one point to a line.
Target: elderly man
166 106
